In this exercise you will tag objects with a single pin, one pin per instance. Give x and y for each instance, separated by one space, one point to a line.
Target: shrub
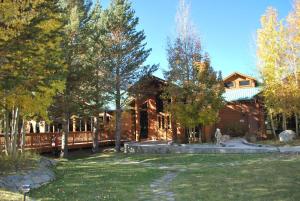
23 161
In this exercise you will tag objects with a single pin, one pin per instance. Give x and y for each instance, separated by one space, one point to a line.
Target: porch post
85 125
74 124
80 129
91 123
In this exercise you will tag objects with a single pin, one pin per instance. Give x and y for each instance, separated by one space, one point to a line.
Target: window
163 122
101 120
159 122
229 84
159 104
168 122
244 83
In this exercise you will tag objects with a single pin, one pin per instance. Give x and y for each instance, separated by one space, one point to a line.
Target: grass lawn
10 196
22 162
182 177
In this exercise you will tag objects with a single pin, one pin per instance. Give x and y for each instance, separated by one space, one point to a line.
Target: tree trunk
23 140
284 127
186 135
6 133
174 129
296 122
118 129
1 126
64 137
14 131
95 147
272 126
118 111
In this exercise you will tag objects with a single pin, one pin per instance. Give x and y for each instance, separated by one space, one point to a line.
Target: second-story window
244 83
229 84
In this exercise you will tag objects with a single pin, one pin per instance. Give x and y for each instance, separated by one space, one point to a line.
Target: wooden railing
43 141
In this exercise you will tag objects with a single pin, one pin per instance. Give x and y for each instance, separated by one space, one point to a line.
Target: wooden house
243 112
145 118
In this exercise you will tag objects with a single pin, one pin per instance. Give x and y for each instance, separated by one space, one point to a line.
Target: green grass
21 162
199 177
10 196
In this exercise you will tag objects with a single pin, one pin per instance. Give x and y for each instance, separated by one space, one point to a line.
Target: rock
287 136
225 138
36 177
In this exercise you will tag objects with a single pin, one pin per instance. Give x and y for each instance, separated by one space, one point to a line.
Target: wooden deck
42 142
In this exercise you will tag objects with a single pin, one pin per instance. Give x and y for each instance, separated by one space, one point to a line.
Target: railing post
80 129
31 139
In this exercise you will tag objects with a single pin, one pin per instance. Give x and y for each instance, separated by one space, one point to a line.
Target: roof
147 79
238 73
241 94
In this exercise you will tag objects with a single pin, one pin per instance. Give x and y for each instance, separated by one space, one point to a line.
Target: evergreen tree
31 63
126 52
94 89
75 14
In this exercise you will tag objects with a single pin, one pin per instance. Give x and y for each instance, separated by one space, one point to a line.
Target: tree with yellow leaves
271 63
293 59
278 50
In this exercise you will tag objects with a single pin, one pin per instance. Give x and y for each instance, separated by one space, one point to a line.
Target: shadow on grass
205 177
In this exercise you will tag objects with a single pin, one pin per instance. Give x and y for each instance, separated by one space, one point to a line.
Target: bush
23 161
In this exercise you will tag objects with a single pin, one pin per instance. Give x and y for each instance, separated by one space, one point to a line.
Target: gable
237 81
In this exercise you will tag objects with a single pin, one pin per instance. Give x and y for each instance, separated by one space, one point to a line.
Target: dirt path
159 189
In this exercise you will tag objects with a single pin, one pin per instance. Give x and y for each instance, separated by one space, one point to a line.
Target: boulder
287 136
251 137
225 138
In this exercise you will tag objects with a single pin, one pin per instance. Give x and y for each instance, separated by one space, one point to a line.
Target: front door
144 121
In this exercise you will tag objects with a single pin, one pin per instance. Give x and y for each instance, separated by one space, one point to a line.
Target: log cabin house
146 119
243 112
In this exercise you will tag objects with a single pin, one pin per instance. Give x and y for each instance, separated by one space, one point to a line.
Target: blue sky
227 29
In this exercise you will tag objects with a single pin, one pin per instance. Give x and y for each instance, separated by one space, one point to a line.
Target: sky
227 29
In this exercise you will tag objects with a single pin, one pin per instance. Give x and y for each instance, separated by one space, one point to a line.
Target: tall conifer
31 62
127 52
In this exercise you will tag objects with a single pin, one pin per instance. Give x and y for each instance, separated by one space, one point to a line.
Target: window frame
244 85
232 82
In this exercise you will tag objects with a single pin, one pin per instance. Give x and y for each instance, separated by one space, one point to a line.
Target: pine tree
127 52
93 86
31 63
75 14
